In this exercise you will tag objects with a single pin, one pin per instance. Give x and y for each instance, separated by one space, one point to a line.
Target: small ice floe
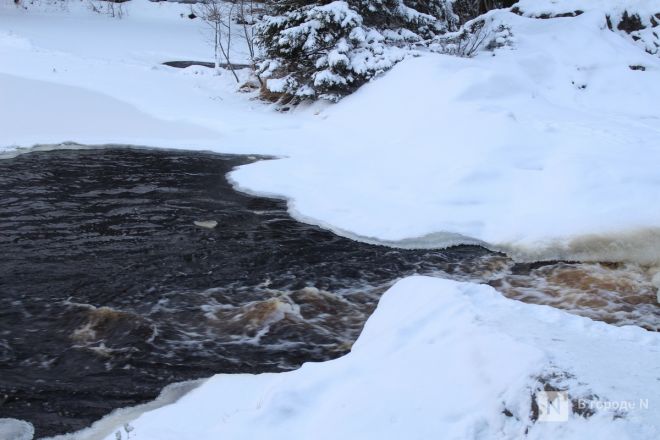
13 429
209 224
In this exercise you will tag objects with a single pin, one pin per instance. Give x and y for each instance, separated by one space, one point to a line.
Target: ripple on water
617 293
108 290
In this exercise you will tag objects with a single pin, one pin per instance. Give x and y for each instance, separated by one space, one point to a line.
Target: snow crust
547 149
436 358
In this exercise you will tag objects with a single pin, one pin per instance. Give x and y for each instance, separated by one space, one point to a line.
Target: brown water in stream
108 291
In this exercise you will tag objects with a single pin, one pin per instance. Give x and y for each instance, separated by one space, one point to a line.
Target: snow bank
637 20
437 358
554 8
119 90
115 421
94 117
12 429
547 149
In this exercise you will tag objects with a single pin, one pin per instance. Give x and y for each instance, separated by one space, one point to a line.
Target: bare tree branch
215 15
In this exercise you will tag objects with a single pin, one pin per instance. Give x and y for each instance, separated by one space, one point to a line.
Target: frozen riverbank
545 150
106 267
109 290
444 357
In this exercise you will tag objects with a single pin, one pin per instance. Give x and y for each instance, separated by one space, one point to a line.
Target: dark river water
109 291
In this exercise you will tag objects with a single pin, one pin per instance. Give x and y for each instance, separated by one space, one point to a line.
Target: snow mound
97 118
558 8
12 429
438 358
639 20
546 149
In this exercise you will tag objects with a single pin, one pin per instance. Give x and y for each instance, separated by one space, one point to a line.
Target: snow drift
547 149
438 357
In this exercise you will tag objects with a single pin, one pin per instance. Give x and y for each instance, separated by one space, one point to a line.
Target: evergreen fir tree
321 49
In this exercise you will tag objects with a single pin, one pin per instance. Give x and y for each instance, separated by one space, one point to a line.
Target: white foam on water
436 357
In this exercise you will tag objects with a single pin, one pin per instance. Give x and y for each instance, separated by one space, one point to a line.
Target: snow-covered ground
548 148
437 358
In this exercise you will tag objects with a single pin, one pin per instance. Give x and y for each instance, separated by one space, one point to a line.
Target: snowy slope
549 149
437 358
96 116
119 59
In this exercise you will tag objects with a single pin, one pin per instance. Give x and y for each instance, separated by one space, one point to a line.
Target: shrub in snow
477 34
326 50
643 29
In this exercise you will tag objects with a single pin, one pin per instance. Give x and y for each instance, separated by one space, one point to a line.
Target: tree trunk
216 48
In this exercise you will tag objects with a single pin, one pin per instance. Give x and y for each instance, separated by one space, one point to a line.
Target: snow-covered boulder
638 20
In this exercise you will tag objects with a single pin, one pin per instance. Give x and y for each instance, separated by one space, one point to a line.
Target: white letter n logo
554 406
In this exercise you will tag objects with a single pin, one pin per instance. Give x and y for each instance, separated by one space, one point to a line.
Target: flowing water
109 291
